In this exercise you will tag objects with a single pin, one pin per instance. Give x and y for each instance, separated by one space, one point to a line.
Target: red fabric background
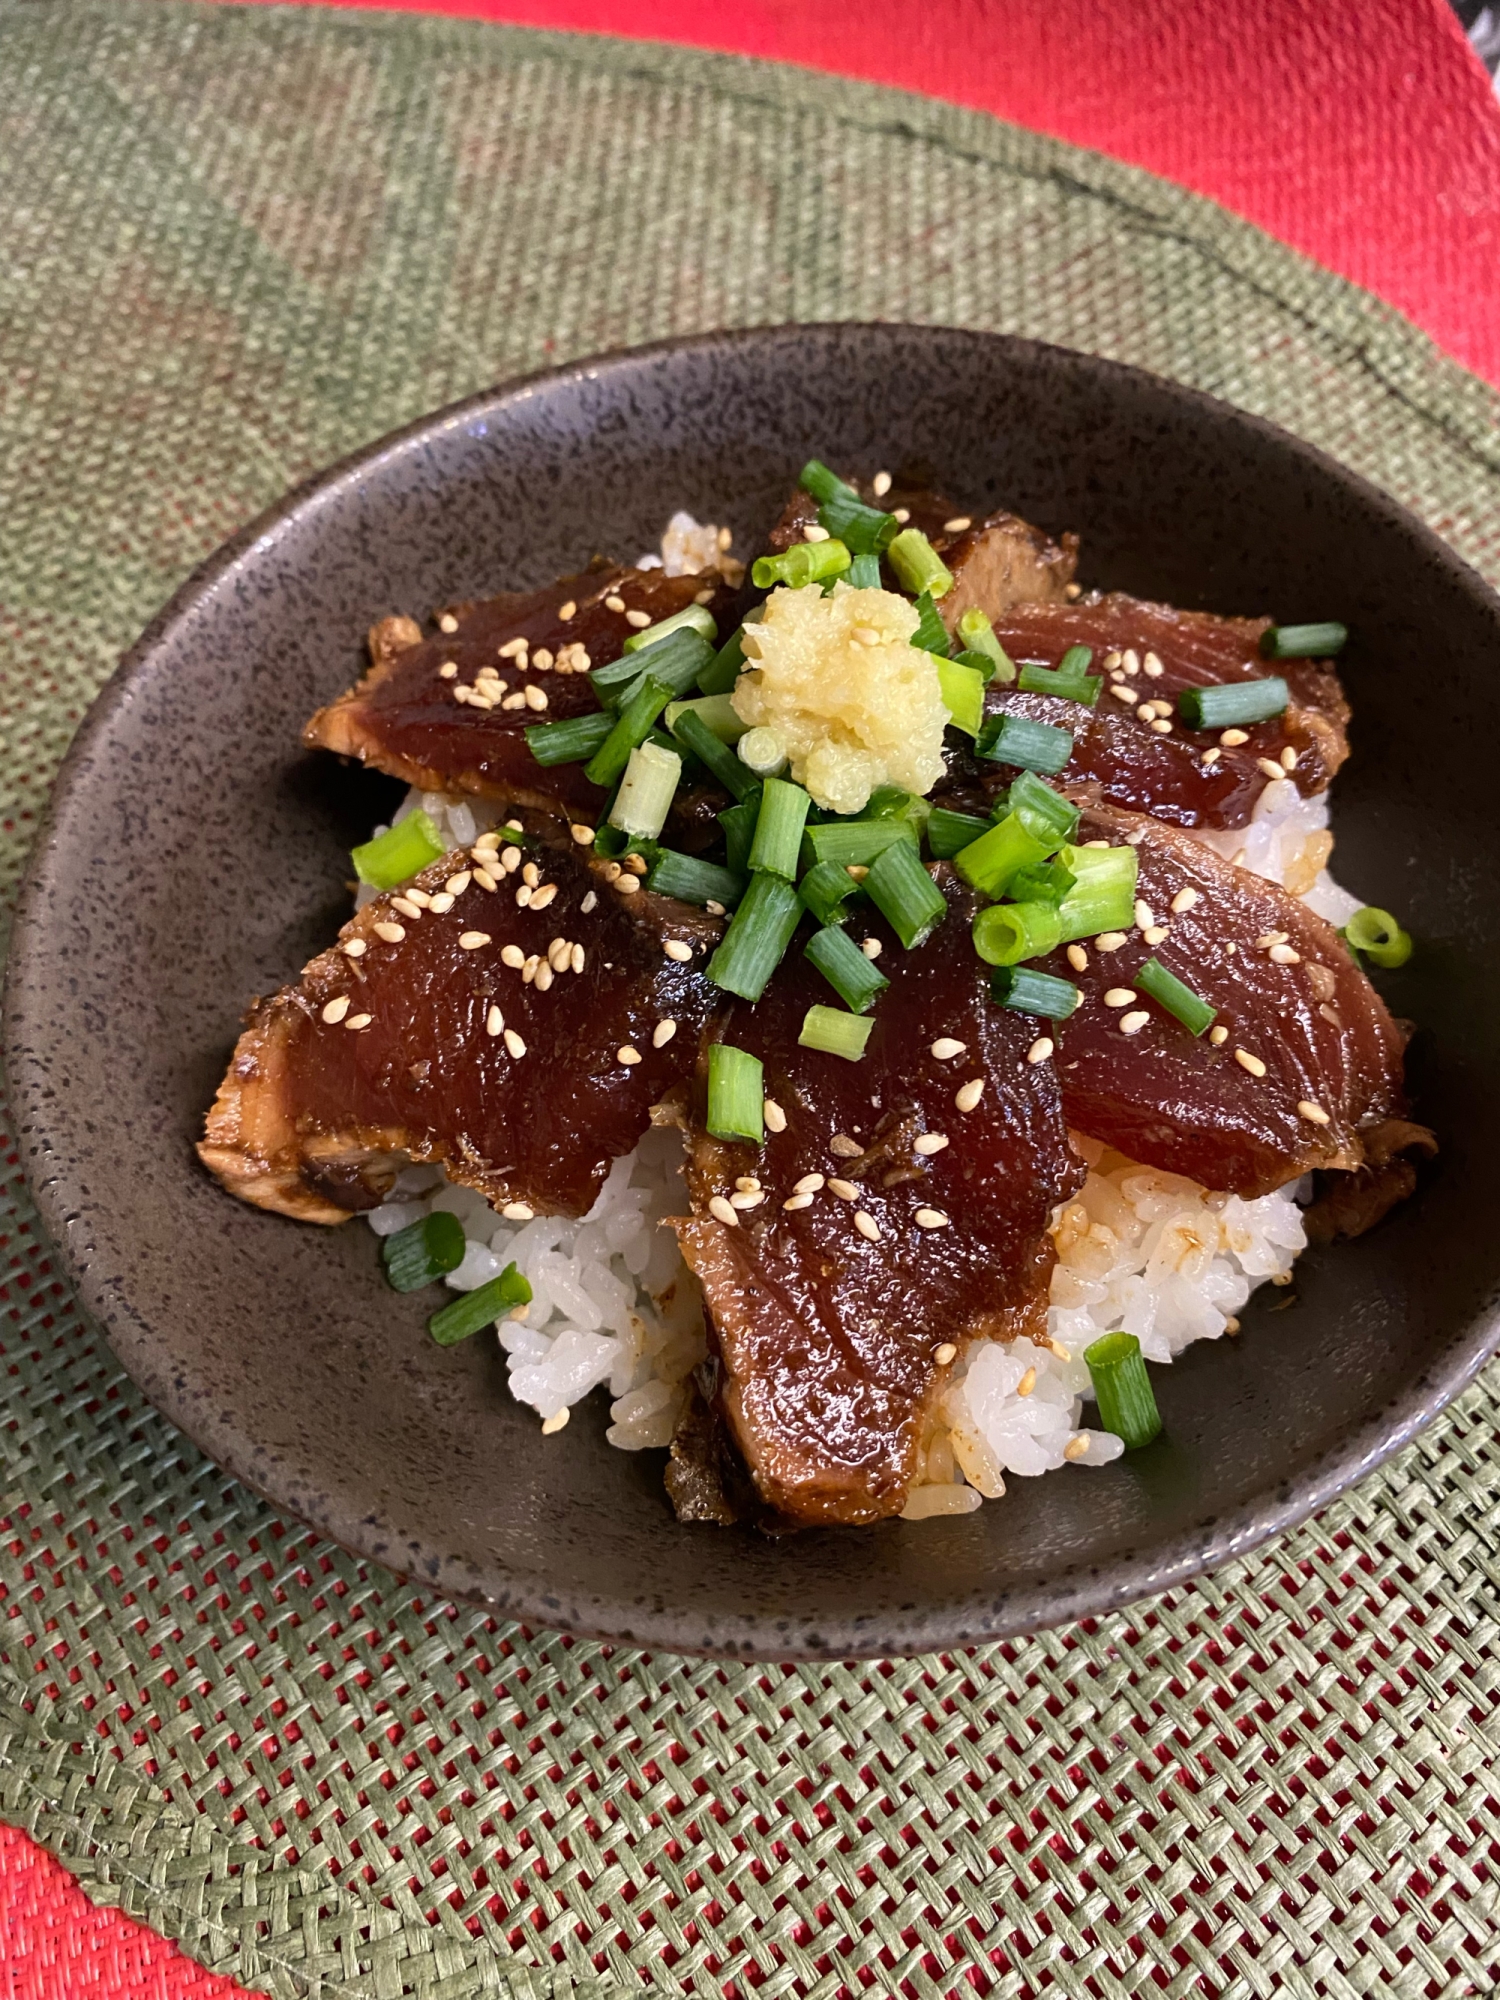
1368 138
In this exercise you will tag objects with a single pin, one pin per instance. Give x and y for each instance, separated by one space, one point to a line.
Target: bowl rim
1083 1590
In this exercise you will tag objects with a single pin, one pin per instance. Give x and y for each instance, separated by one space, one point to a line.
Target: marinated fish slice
1135 745
1302 1066
832 1315
447 1034
454 732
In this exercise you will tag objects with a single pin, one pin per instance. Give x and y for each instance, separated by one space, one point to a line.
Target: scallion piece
762 752
822 483
1122 1389
692 618
977 635
759 932
569 742
989 862
1303 642
736 1094
1044 811
1030 746
632 726
949 832
1230 703
962 689
1377 934
863 573
1076 660
1066 683
715 711
1103 895
895 802
1007 933
723 670
402 851
692 880
694 734
676 662
646 791
825 888
1028 992
863 530
738 822
1042 882
480 1308
778 829
803 563
904 893
417 1255
931 635
854 843
1168 991
851 975
918 565
836 1034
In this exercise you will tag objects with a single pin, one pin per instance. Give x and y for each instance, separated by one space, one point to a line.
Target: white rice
1151 1253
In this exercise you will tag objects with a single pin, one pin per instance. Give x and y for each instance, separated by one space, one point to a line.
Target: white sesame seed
480 698
614 603
720 1210
543 979
514 701
441 904
901 514
1268 938
1076 1448
540 898
1183 900
576 958
1040 1049
407 907
1218 1036
814 532
558 1421
473 940
531 875
773 1114
448 670
486 880
968 1094
1313 1113
639 619
930 1218
944 1049
675 948
1153 666
945 1353
1211 757
1130 660
567 611
872 947
590 903
389 933
541 660
584 835
628 884
456 884
1027 1383
794 1201
335 1011
662 1033
486 844
523 897
1283 954
514 1043
513 956
880 485
714 909
1155 934
1122 692
1078 958
1249 1062
1146 712
558 954
747 1183
1269 767
930 1143
1289 759
354 947
1233 738
418 896
957 525
447 623
1110 940
1119 996
535 697
843 1147
746 1198
494 1021
513 648
1132 1024
845 1190
810 1184
1161 726
1143 915
866 1224
518 1211
627 1055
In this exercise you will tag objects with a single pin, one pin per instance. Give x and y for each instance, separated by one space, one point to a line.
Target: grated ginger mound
855 704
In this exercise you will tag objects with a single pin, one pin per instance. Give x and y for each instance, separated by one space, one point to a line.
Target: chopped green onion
402 851
694 734
851 975
1076 660
803 563
738 822
612 843
989 862
646 791
931 635
863 573
823 484
904 893
736 1094
918 565
1122 1389
825 888
569 742
895 802
691 880
716 713
1168 991
415 1256
759 932
1303 642
1042 882
854 843
1031 746
949 832
1103 896
1231 703
1043 810
762 752
836 1034
615 682
1067 684
778 829
1028 992
723 670
693 618
1007 933
480 1308
977 635
863 530
1377 934
962 690
632 726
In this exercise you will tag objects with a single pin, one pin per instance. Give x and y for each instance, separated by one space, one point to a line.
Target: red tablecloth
1369 138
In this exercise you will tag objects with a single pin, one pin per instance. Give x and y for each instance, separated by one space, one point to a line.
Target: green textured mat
233 245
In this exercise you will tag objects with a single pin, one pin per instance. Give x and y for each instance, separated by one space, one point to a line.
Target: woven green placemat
233 245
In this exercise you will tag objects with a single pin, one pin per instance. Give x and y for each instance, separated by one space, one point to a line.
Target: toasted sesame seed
518 1211
541 660
486 880
514 1043
534 697
721 1211
968 1094
636 863
407 907
1119 996
590 903
1110 940
880 485
389 933
662 1033
354 948
1132 1024
1122 692
930 1143
540 898
1289 759
1130 660
513 956
866 635
1249 1062
856 871
714 909
944 1049
1062 1353
1219 1035
1027 1383
747 1198
558 954
448 670
584 835
794 1201
872 947
627 1055
1211 757
1161 726
901 514
576 958
1269 767
639 619
358 1020
614 602
1078 958
531 874
567 611
420 897
675 948
1040 1049
1183 900
479 698
813 531
957 525
774 1116
1313 1113
810 1184
1143 915
1233 738
487 843
845 1190
447 623
523 897
456 884
473 940
556 1422
335 1011
1283 954
628 884
843 1147
1076 1448
945 1353
544 977
1153 666
1268 938
494 1021
1146 712
930 1218
441 903
513 648
866 1224
514 701
1155 934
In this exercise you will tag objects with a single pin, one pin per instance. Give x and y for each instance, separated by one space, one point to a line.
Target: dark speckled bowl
197 856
